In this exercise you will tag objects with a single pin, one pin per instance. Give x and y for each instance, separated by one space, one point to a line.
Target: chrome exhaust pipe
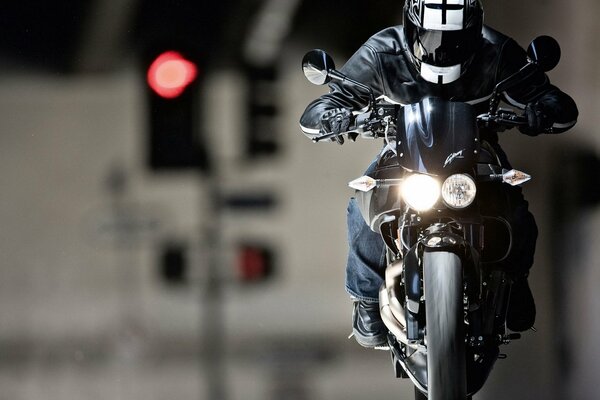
390 307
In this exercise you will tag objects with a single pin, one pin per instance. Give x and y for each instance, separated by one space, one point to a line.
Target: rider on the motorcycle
441 50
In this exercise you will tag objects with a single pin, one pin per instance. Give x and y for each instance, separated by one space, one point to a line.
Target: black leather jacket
383 63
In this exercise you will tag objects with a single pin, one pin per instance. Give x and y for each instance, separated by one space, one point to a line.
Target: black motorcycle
444 300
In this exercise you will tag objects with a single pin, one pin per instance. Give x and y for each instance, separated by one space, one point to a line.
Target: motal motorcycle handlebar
366 122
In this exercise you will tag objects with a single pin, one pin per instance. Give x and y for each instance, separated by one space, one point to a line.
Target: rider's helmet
442 36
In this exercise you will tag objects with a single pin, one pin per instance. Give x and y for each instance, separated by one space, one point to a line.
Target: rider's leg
508 201
521 308
365 271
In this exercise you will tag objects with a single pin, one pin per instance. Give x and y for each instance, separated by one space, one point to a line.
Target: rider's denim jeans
366 264
366 257
365 269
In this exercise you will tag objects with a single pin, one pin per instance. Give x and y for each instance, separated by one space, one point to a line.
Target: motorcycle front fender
434 242
450 242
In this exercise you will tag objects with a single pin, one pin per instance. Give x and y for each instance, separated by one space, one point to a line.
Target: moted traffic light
255 263
174 93
173 263
170 74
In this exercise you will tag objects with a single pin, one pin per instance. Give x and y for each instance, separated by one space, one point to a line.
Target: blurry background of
195 248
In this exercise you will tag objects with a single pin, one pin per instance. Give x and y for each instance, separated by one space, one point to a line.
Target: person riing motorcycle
444 50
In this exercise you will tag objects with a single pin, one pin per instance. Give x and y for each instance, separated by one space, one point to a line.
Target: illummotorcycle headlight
458 191
420 192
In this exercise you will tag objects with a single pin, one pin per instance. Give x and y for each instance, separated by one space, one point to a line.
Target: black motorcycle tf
444 300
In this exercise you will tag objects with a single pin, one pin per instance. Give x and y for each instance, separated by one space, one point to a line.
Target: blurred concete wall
86 309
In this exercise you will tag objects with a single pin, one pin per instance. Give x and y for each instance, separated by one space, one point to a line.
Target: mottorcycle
444 300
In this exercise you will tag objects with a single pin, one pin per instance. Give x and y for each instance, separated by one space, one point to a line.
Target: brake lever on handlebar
352 134
511 118
503 119
327 136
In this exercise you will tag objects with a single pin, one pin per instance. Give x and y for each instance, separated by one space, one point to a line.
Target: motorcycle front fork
421 396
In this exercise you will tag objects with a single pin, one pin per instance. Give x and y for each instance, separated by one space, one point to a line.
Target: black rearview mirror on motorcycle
316 65
319 69
544 51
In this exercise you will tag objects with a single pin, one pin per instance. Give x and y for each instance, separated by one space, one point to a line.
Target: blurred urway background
194 248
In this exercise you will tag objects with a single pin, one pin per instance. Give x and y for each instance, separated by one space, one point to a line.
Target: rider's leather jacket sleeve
382 63
363 67
560 107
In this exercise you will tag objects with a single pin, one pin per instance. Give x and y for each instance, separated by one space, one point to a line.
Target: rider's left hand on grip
336 121
538 120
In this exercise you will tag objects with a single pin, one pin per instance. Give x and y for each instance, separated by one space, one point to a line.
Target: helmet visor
442 48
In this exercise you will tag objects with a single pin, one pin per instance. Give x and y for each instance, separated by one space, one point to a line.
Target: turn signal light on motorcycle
364 183
420 192
458 191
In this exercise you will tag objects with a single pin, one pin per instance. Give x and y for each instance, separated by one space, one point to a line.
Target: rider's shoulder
503 46
387 40
495 37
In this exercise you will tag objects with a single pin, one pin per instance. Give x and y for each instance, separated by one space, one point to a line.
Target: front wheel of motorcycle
446 360
419 395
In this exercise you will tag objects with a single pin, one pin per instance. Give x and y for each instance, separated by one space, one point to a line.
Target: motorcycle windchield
444 299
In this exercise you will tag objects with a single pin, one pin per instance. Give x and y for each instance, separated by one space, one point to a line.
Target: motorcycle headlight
420 192
458 191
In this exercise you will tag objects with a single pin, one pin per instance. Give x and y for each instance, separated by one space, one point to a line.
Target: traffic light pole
212 319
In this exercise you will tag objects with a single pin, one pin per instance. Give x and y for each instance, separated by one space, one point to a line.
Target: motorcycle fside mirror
543 54
319 69
544 51
317 65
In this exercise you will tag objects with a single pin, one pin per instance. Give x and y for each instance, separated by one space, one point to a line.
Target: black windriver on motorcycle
440 237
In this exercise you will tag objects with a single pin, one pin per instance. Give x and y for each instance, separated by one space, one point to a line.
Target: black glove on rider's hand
538 120
336 121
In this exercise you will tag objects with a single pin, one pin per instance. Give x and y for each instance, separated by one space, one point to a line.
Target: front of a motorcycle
444 298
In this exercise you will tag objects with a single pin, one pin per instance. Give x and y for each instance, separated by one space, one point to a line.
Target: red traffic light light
254 263
170 73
